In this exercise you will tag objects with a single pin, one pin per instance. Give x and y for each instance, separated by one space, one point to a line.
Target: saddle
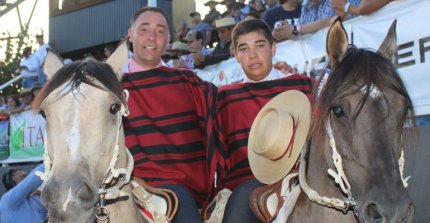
274 202
156 205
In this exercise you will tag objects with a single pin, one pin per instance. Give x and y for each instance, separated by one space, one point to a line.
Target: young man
170 128
240 103
21 202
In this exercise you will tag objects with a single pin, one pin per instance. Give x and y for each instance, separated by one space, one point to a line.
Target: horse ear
118 59
389 45
52 64
337 42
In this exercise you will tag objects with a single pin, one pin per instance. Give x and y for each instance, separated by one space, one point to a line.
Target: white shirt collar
273 74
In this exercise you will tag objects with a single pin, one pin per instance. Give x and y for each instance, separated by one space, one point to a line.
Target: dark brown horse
350 172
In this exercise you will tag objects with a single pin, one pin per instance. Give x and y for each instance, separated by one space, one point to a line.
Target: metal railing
7 84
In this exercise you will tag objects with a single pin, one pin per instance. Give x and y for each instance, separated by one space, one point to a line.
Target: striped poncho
170 129
238 105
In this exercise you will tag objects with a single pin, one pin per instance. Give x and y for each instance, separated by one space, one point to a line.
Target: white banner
307 53
27 132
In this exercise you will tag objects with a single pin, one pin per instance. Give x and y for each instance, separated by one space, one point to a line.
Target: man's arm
364 8
22 190
286 31
214 59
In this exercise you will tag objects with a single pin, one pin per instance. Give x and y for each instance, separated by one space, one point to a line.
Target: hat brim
179 50
297 105
226 25
211 3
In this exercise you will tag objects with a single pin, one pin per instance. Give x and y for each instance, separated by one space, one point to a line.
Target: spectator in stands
194 39
3 104
180 55
287 9
364 7
181 30
213 14
170 104
246 9
257 6
29 67
26 98
271 4
13 106
240 103
316 15
222 50
252 15
108 50
21 202
203 27
236 13
214 34
41 54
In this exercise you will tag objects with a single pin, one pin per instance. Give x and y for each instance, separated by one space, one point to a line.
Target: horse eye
114 108
338 111
41 112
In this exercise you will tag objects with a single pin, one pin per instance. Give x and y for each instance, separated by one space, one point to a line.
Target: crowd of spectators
287 19
207 41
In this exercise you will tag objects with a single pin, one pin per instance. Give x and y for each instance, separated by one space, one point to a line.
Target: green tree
11 48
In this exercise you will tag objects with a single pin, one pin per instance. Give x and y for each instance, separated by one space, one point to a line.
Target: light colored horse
88 167
351 171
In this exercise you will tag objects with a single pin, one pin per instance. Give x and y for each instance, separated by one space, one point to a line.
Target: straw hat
34 86
211 3
225 22
277 136
180 46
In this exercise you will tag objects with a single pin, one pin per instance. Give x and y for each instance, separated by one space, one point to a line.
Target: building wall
95 25
181 10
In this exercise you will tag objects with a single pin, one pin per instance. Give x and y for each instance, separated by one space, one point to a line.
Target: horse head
360 111
83 103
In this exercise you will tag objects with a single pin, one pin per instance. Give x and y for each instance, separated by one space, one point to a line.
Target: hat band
289 149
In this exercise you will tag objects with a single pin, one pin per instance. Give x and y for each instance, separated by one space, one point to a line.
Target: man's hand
338 5
179 63
283 32
198 58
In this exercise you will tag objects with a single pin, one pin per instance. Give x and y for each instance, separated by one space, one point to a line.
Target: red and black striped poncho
171 128
238 105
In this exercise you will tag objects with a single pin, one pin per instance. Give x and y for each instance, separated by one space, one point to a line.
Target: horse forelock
88 71
369 73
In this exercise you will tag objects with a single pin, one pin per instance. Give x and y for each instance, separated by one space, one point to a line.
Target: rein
339 178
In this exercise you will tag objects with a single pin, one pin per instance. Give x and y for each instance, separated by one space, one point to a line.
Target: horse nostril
408 216
86 194
372 215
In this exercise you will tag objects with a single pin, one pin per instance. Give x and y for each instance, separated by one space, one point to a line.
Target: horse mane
82 71
361 67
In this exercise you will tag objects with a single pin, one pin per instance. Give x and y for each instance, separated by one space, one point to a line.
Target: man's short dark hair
253 25
7 179
152 9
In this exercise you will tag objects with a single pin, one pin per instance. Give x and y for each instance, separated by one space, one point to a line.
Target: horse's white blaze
374 91
68 199
74 137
